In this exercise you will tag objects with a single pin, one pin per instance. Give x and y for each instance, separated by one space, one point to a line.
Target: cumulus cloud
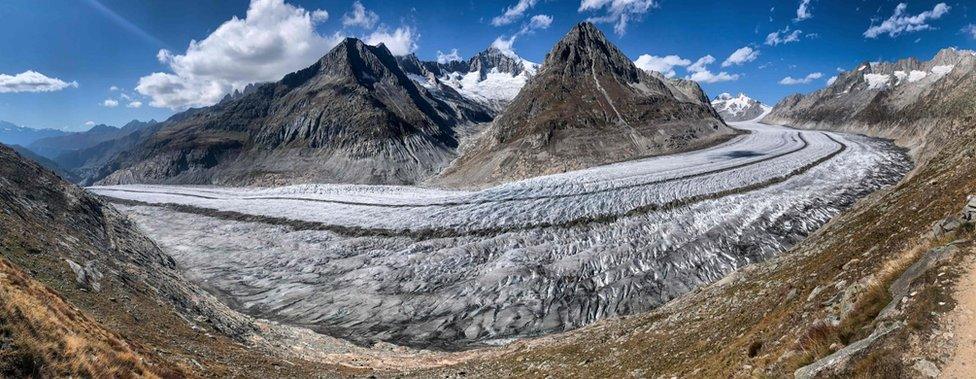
513 13
700 72
504 44
453 56
134 104
401 41
110 103
537 22
790 81
741 56
618 12
360 16
89 123
113 88
783 36
32 81
665 65
803 11
899 22
969 30
273 39
320 15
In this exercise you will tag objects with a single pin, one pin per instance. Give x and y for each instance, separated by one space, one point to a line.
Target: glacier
450 269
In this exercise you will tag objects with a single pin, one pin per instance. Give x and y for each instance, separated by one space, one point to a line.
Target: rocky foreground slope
587 105
354 116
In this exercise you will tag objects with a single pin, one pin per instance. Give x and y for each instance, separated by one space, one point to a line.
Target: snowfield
451 269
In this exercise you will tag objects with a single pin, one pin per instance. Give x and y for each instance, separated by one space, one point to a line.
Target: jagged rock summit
587 105
739 108
354 116
491 78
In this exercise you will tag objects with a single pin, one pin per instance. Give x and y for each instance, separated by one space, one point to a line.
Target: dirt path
963 318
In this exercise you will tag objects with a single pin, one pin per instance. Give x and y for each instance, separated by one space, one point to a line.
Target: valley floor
457 269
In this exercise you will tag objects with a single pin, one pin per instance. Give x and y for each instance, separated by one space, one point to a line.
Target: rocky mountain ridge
354 116
491 77
901 100
588 105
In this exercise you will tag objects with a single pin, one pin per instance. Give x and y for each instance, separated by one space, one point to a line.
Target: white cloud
134 104
701 74
319 15
109 103
709 77
741 56
89 123
401 41
360 16
665 65
539 21
113 88
618 12
505 44
453 56
970 30
32 81
513 12
900 23
536 22
790 81
272 40
783 36
803 11
831 81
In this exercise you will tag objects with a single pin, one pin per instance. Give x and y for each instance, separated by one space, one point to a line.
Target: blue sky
60 59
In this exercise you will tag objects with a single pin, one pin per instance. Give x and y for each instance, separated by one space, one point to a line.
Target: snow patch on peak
877 81
942 70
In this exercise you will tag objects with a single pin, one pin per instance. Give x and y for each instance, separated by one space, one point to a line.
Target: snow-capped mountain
739 108
908 90
492 77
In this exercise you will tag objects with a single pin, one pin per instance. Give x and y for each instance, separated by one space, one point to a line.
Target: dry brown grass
41 335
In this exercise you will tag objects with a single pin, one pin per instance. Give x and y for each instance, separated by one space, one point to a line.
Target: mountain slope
739 108
11 134
901 100
354 116
47 163
588 105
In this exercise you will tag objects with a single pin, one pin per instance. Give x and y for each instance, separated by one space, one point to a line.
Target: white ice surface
450 268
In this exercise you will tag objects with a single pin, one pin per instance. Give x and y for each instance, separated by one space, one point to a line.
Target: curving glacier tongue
453 269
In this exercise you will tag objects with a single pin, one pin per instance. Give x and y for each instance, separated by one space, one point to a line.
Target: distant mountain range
11 134
361 115
898 100
54 146
739 108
